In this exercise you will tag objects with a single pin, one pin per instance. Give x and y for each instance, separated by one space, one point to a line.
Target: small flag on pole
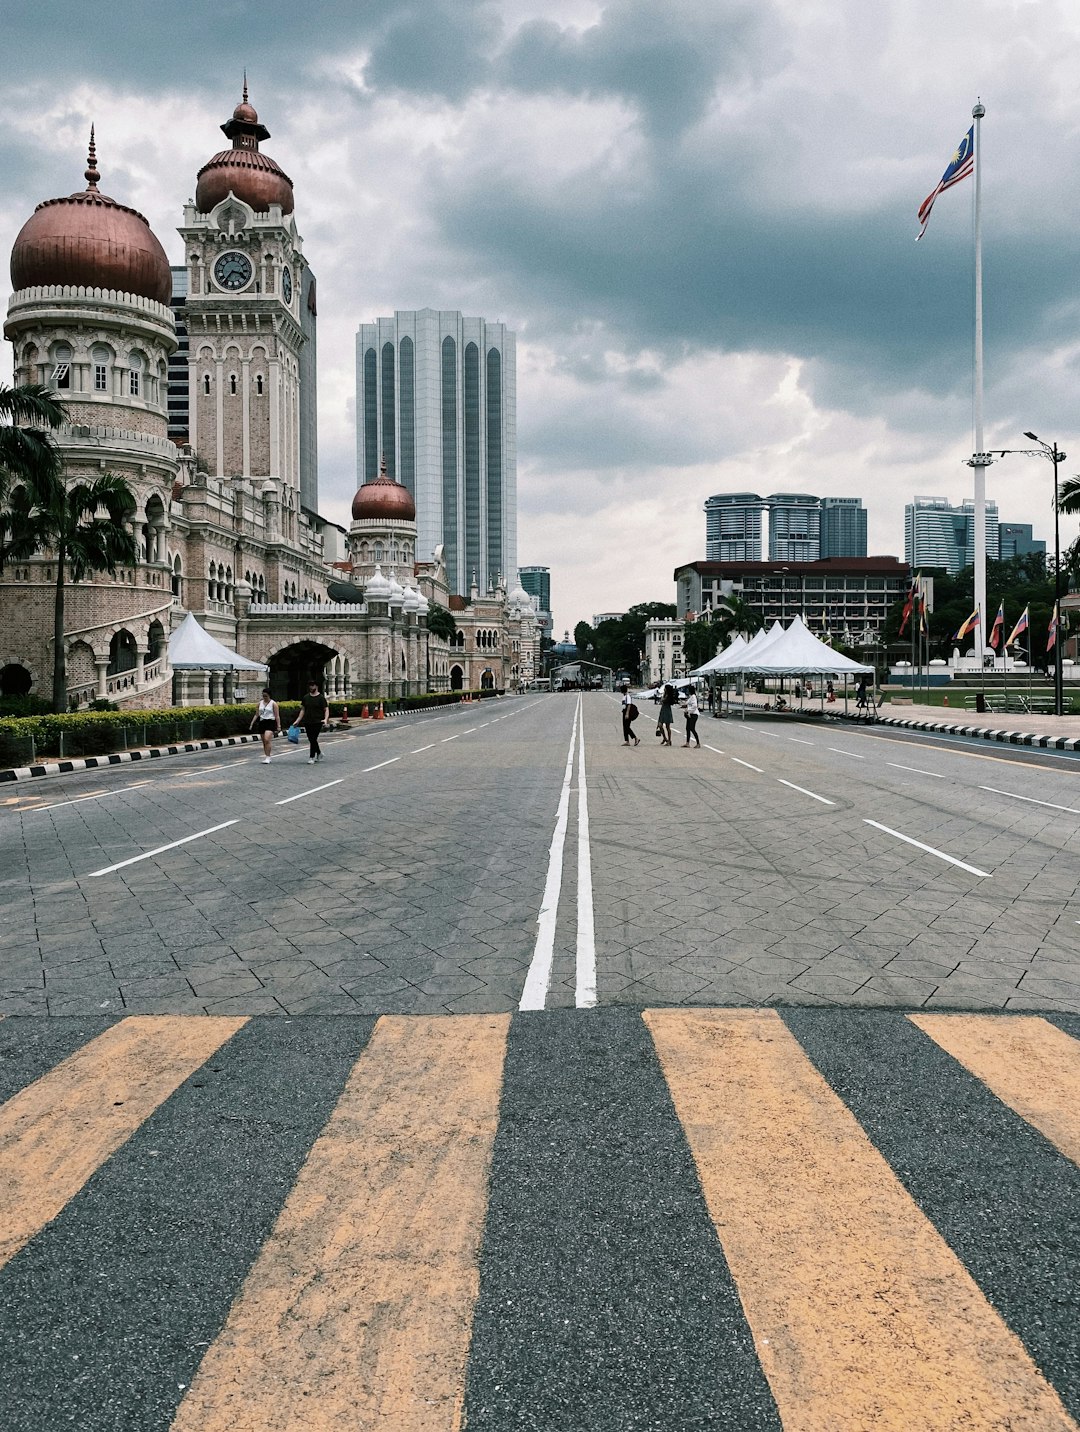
998 627
961 165
1020 627
1052 629
923 628
909 603
970 625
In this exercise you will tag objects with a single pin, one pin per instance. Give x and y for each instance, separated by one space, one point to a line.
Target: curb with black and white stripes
119 758
985 733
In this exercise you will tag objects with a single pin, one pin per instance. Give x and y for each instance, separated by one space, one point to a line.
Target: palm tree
26 451
1069 495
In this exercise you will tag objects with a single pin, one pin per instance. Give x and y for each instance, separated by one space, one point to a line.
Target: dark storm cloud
434 49
666 60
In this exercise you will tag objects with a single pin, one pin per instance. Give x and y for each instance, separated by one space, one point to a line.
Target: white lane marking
585 996
470 731
78 800
803 791
534 992
289 799
1030 799
748 766
451 738
853 754
423 748
713 748
800 741
972 869
134 860
917 770
380 765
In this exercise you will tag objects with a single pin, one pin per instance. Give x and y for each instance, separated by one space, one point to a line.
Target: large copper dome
384 498
242 170
89 240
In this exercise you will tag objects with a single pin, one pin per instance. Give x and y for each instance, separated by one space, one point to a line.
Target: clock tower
246 277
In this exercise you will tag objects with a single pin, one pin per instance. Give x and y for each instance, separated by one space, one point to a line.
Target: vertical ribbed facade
436 395
936 534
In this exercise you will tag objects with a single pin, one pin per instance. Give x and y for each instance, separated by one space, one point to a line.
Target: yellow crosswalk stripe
1029 1063
358 1310
861 1314
56 1132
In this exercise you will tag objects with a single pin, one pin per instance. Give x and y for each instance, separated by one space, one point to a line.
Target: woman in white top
692 712
269 718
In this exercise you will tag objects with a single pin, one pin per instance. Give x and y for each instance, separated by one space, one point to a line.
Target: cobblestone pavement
406 873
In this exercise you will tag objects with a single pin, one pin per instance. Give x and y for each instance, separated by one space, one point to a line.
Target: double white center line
538 980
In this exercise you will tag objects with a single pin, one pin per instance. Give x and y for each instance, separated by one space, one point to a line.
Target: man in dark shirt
314 709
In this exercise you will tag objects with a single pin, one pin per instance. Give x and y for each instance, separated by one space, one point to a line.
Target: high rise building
733 527
537 582
436 396
794 527
801 528
842 527
1015 540
936 534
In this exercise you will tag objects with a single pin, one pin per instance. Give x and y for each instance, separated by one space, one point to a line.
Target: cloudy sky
697 215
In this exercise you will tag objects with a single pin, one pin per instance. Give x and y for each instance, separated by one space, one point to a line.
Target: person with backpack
629 716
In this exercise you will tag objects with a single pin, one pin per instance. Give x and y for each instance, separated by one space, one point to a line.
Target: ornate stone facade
218 521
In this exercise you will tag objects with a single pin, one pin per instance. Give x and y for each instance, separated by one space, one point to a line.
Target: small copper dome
384 498
243 170
89 240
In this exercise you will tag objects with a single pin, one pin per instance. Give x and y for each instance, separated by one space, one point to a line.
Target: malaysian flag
961 165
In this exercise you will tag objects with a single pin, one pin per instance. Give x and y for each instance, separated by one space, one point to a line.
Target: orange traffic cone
945 701
344 716
380 715
364 716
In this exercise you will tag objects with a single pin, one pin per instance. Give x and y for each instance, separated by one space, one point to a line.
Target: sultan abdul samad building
225 513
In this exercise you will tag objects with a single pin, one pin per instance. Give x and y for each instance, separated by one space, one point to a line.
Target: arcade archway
293 667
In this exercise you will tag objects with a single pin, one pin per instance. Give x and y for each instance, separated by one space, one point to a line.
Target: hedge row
24 739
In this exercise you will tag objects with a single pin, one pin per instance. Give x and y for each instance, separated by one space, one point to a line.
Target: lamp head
1033 438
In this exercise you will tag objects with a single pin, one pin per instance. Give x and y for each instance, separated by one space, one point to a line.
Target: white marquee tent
192 648
796 652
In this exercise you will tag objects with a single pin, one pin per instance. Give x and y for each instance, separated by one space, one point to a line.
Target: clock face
286 284
233 271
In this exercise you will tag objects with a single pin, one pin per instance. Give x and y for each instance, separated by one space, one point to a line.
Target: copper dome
384 498
89 240
242 170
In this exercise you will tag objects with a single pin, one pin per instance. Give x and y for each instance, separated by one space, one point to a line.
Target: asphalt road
554 1221
457 862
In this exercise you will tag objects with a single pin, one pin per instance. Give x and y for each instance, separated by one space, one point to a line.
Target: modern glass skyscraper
436 395
794 527
733 527
937 534
842 527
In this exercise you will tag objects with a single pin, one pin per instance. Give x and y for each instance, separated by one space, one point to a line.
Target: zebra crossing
564 1220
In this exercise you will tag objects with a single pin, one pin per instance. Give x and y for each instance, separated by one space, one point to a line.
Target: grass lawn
956 699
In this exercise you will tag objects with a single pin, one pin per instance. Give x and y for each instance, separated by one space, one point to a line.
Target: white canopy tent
192 648
797 652
717 663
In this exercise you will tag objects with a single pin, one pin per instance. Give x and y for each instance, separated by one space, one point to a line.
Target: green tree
702 639
83 525
440 621
584 638
26 448
618 643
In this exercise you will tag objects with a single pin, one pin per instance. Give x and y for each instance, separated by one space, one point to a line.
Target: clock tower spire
246 335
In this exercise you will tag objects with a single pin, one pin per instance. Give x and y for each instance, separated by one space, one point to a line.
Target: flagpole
980 459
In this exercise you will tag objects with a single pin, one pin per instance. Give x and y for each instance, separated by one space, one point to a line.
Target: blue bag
293 734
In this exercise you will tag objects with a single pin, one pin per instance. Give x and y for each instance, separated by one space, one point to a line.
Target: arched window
206 384
135 368
259 384
232 384
177 572
61 370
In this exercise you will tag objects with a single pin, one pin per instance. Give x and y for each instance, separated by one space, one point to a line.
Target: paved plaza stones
414 887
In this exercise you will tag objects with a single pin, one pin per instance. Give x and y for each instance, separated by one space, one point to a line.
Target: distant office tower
1015 540
178 362
937 534
309 387
842 527
436 395
733 527
537 582
794 527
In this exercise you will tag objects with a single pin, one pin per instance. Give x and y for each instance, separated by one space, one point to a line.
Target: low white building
663 650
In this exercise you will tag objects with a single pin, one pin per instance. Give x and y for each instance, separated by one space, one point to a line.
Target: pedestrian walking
314 709
268 718
629 716
692 713
664 719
